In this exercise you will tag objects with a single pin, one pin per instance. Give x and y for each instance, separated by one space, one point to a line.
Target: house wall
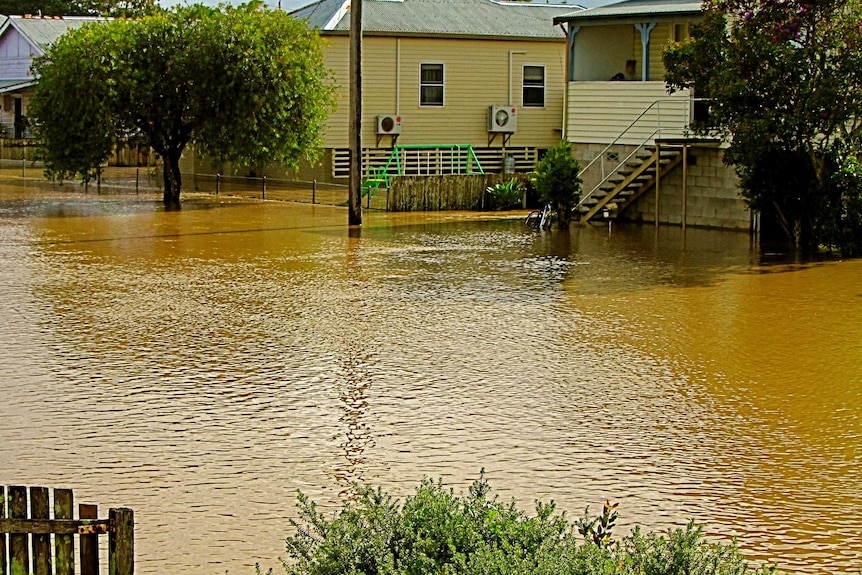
659 38
16 54
606 121
607 112
476 75
7 112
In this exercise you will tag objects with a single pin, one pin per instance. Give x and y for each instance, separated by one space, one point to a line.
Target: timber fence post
64 546
121 542
19 553
41 544
3 570
89 543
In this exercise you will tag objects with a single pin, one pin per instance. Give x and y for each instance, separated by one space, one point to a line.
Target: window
534 87
431 85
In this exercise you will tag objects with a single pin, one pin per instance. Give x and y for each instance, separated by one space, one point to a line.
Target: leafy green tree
76 125
243 84
784 80
558 183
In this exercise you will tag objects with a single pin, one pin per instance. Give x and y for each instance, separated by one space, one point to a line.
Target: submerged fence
32 541
405 193
267 188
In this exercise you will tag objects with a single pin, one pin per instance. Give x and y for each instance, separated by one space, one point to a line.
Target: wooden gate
26 533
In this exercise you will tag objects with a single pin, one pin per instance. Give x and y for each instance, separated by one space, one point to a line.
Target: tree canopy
784 83
243 84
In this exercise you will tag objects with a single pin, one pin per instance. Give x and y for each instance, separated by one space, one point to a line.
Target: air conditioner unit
502 119
388 124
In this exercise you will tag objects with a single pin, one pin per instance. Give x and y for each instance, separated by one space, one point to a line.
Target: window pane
431 85
534 76
534 97
432 73
432 96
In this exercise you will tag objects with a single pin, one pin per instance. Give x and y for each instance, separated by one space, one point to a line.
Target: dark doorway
19 119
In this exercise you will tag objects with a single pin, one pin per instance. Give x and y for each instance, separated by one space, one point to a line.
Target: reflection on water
201 366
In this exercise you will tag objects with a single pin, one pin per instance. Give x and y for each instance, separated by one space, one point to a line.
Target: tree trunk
564 216
173 179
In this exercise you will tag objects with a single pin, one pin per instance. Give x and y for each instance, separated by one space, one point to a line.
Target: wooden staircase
630 181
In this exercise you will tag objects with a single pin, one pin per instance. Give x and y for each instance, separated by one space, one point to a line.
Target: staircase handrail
687 102
605 178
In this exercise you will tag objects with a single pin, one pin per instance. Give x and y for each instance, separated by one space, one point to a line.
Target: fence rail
425 162
267 188
27 530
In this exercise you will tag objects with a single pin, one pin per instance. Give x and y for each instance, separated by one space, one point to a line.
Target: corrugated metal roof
634 8
43 31
479 18
16 84
319 13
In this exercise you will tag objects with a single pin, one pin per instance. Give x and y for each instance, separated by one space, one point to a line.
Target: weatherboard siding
476 75
16 55
599 112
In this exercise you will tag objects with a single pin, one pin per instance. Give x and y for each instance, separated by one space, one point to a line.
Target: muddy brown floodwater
201 366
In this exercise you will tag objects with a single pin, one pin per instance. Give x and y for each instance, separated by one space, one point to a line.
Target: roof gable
42 31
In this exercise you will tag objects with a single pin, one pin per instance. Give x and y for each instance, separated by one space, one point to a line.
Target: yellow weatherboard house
482 73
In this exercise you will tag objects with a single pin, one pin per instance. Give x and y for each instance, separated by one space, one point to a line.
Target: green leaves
507 195
245 84
558 182
72 110
438 532
599 529
784 79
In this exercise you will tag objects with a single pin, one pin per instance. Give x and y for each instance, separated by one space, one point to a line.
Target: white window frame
525 86
442 85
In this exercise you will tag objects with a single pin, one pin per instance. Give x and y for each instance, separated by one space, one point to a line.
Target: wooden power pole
355 132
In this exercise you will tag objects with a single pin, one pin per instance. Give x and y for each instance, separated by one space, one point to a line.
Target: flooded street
201 366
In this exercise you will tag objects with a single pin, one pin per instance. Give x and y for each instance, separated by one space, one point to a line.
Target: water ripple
203 366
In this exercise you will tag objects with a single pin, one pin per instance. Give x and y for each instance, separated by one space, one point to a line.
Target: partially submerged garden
796 151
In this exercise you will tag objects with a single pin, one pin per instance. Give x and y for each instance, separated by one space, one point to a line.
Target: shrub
438 532
557 181
507 195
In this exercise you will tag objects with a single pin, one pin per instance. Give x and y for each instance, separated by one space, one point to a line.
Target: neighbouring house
625 125
23 38
438 73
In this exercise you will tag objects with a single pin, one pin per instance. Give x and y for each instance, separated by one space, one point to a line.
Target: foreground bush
436 531
558 182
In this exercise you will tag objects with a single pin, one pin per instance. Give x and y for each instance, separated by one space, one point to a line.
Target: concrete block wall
712 195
